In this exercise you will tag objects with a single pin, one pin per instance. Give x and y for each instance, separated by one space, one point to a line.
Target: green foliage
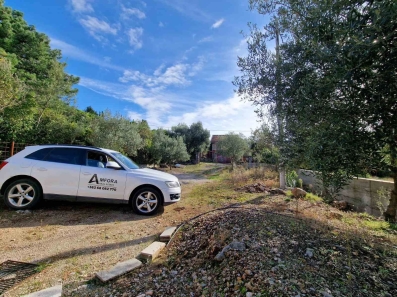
195 137
12 89
233 146
115 132
313 198
300 183
167 149
332 84
263 145
291 178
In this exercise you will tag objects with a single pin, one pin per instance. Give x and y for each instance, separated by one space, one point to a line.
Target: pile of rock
342 205
254 188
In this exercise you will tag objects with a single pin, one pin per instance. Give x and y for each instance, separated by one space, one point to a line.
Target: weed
313 198
42 266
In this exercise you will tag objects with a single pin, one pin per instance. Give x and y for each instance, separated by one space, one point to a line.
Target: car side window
39 154
97 159
72 156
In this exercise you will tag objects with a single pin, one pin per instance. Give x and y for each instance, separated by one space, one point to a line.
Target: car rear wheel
146 201
22 194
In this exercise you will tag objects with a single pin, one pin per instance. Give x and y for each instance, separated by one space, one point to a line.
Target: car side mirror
113 165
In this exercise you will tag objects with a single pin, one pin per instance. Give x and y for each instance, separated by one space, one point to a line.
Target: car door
98 183
59 173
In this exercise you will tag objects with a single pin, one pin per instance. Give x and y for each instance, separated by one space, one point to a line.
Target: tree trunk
279 104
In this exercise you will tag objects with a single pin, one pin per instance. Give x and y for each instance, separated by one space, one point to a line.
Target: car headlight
172 184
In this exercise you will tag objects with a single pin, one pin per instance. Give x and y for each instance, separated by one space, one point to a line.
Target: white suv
81 173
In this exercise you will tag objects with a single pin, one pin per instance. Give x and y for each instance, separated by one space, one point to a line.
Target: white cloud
80 6
73 52
134 36
134 116
161 24
159 70
176 75
220 117
189 9
218 23
165 109
197 66
96 27
206 39
127 12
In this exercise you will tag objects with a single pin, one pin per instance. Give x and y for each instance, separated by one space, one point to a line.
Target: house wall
363 193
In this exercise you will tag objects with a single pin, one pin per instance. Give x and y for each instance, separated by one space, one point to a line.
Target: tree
146 134
196 138
12 90
340 85
264 145
37 67
233 146
115 132
167 149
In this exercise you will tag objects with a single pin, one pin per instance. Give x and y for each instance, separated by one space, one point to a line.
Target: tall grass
241 176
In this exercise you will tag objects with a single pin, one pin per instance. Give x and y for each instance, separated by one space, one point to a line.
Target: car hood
154 174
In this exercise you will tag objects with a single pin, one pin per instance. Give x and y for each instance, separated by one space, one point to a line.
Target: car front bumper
171 195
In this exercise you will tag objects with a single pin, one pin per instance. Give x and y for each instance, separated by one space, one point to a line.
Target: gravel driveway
71 241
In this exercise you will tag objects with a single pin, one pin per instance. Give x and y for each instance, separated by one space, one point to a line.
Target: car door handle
86 173
42 169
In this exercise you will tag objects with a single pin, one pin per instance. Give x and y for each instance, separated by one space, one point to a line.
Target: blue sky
166 61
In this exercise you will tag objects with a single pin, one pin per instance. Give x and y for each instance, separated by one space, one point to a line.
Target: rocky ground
263 249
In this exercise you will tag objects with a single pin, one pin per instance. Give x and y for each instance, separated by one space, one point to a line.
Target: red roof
216 138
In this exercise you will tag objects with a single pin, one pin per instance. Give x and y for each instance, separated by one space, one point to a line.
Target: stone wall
363 193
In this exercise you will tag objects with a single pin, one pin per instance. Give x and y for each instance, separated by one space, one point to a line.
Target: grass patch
379 225
313 198
42 266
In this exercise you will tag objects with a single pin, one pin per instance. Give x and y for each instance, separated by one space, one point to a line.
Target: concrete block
55 291
119 269
153 250
166 235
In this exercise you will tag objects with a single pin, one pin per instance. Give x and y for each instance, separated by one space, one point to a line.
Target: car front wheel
146 201
22 194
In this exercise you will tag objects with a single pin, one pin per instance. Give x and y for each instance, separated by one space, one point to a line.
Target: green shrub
291 178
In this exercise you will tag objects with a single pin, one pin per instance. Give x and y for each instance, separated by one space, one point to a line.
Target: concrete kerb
167 234
148 254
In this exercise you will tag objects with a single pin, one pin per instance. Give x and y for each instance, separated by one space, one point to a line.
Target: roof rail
78 145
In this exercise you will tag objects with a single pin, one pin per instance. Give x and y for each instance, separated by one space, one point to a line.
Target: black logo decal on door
94 178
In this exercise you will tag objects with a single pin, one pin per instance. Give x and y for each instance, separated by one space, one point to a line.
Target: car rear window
39 155
66 156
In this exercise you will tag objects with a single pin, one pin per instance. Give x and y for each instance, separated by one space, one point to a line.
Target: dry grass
241 176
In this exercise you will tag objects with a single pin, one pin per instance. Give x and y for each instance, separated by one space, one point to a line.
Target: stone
119 269
150 292
249 286
309 252
298 192
341 205
249 294
153 250
166 235
55 291
235 245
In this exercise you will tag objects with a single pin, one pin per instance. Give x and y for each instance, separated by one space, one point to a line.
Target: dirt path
72 241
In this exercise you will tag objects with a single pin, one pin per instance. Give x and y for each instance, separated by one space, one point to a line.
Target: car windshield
126 161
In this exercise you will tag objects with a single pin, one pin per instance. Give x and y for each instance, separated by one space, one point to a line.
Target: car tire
146 201
22 194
